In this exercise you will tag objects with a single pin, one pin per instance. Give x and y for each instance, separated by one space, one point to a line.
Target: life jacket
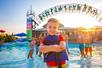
54 56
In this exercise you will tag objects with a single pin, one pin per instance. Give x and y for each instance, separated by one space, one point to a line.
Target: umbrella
2 31
20 34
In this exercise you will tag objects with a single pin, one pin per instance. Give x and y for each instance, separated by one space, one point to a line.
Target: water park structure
34 20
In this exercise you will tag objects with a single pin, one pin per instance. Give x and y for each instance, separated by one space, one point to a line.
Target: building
71 32
88 35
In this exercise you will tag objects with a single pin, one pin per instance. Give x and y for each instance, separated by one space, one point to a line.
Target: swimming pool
14 55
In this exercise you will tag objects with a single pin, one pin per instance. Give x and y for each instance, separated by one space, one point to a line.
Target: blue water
14 55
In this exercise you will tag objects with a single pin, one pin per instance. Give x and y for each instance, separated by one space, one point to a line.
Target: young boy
53 46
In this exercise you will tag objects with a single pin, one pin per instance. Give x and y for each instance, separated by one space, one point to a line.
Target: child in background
54 46
80 41
32 43
37 44
88 49
88 44
81 47
38 40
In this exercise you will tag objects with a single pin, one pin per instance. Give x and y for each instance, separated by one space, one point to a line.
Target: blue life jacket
54 56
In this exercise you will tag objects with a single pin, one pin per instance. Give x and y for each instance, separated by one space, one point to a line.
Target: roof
62 28
61 25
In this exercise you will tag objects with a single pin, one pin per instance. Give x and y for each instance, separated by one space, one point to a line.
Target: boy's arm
45 48
53 48
62 45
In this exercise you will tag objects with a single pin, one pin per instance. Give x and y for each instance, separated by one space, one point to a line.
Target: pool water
14 55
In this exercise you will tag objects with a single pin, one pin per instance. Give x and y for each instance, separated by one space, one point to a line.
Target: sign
69 8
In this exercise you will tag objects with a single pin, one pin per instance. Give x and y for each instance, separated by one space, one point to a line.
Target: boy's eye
49 26
54 27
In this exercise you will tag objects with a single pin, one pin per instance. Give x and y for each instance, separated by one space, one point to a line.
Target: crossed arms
53 48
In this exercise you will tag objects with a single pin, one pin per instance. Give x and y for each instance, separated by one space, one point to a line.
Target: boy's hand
62 47
42 49
54 48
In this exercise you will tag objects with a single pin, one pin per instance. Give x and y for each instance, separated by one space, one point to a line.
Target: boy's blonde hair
53 20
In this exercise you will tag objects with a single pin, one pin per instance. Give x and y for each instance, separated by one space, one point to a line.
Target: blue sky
13 12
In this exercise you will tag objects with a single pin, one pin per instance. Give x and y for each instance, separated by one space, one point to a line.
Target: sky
13 13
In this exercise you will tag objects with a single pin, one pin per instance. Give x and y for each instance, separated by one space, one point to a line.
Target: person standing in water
88 44
32 43
80 41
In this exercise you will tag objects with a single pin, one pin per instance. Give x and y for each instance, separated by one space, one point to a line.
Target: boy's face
52 28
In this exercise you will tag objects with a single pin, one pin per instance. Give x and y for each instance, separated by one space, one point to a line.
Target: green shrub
8 38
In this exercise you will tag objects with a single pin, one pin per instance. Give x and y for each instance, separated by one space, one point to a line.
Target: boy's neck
53 34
